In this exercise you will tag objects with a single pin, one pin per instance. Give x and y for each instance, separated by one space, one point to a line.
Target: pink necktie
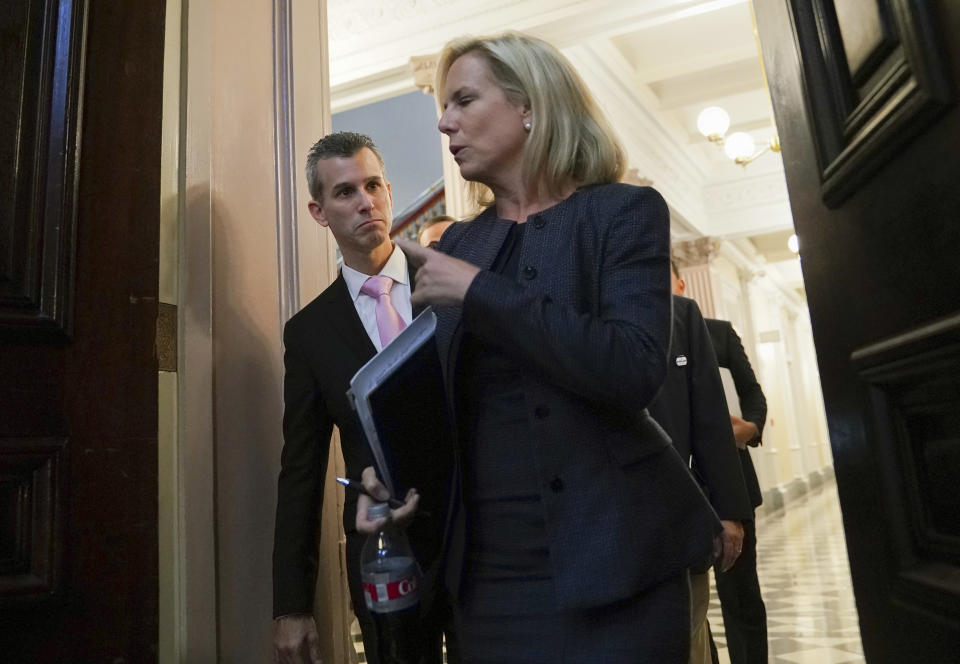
389 322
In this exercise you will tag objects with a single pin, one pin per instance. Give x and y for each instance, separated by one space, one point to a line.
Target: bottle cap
378 511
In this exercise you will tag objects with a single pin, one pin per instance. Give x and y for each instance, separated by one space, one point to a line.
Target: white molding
288 281
370 89
196 608
754 265
750 191
171 552
672 68
656 151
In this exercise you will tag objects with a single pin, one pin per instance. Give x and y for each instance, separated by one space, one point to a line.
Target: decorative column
693 259
460 204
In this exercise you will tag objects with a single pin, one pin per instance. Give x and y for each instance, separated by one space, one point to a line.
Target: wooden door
79 229
864 93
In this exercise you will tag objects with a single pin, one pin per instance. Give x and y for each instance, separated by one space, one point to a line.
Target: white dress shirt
396 269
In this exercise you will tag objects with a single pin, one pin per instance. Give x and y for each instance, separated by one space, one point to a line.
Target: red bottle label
383 592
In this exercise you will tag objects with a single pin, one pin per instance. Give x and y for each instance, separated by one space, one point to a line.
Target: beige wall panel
316 251
250 255
247 350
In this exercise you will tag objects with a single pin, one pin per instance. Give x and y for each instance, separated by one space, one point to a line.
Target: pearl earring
528 125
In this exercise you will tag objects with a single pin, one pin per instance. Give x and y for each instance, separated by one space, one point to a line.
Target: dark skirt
507 605
654 627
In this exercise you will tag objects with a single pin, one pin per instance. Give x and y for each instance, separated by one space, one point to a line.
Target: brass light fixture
713 122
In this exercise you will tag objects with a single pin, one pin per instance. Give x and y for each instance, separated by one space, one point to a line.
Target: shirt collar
395 268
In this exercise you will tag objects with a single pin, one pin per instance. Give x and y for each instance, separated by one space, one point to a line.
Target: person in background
692 408
325 344
429 234
744 613
576 520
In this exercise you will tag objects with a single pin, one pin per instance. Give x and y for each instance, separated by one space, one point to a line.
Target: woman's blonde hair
570 141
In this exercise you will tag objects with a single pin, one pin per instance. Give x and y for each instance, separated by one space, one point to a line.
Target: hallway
805 577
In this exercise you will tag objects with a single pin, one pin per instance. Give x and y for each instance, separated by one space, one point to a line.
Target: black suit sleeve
307 428
753 405
712 444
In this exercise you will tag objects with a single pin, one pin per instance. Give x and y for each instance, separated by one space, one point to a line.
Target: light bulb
739 145
713 122
793 244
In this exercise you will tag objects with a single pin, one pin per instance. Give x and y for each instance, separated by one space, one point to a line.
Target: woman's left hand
441 279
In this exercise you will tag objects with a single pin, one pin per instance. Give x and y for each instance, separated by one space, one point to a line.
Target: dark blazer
325 344
692 408
588 319
753 405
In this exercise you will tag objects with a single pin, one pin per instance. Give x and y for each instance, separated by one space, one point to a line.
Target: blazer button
539 222
530 272
556 485
541 411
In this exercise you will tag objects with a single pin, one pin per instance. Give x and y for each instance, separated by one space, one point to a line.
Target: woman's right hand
441 279
400 516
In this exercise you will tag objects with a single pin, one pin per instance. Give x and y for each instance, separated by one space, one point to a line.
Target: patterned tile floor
805 580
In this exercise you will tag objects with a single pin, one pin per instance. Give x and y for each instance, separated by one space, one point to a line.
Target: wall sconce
713 123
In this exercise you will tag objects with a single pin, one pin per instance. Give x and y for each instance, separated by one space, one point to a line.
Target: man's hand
743 431
731 541
441 279
401 516
295 640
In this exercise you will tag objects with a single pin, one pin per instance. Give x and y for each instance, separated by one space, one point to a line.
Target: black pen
356 485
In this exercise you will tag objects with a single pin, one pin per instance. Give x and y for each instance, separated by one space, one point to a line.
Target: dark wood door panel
875 207
912 408
43 60
875 77
79 245
32 492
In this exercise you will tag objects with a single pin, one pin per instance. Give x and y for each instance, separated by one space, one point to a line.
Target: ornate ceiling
652 64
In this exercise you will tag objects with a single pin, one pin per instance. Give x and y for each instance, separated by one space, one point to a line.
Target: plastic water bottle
391 587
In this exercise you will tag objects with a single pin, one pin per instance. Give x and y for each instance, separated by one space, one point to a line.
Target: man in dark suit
325 344
744 613
692 408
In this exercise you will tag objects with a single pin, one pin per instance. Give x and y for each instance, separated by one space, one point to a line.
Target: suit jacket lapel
412 271
346 324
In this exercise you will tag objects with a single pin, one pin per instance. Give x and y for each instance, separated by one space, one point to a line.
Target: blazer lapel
480 244
483 245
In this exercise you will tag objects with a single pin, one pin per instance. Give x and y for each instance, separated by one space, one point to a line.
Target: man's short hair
674 268
431 222
338 144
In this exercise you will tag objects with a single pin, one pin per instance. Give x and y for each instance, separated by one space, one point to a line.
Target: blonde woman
576 519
